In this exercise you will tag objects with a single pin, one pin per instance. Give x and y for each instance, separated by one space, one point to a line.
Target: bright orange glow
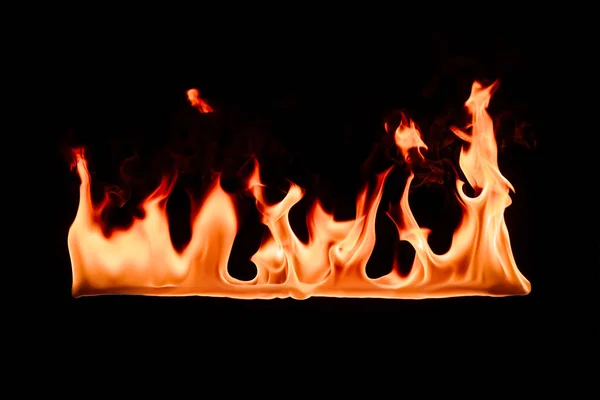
408 139
198 102
141 259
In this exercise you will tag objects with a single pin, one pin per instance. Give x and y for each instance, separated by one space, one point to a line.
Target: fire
141 259
198 102
408 139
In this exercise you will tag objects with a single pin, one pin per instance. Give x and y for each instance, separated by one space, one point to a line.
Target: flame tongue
142 260
409 141
198 102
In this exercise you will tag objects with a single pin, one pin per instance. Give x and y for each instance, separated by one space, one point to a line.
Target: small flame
409 141
198 102
141 259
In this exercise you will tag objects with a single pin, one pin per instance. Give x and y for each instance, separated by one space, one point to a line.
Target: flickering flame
408 139
198 102
141 259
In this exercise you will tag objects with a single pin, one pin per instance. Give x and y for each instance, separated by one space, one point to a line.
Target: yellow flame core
141 259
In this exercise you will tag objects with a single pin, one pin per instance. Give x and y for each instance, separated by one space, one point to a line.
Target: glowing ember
142 260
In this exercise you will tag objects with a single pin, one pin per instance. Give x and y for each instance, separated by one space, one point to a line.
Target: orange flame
408 139
142 260
198 102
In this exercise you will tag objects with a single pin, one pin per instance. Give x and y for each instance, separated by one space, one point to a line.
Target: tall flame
142 260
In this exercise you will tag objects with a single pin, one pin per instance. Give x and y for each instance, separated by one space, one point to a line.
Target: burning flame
408 140
141 259
198 102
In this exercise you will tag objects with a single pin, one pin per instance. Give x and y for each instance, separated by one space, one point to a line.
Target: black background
126 88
